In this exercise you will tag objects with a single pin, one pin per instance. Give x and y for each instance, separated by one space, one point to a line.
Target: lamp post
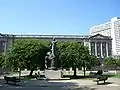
61 64
102 62
19 71
84 66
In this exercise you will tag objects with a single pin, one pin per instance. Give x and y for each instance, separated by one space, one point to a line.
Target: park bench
92 74
12 79
95 74
37 75
101 78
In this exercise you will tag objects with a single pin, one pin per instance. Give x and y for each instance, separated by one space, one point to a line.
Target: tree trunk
19 74
31 72
84 70
74 69
19 71
84 67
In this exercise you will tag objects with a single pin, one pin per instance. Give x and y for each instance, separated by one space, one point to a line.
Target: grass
87 78
109 75
117 75
113 75
28 77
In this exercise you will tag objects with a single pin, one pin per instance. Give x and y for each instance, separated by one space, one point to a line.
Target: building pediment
99 36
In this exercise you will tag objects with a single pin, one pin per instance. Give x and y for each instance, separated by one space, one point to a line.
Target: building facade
111 29
99 45
5 41
116 56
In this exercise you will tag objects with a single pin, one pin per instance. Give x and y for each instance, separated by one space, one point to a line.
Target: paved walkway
113 84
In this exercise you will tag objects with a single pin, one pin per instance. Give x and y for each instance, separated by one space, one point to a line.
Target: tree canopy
2 59
75 55
30 54
27 53
112 61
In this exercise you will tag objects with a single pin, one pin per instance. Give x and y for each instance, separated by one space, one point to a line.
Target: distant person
100 72
39 74
36 75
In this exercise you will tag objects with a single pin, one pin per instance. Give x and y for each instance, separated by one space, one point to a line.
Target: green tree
63 54
112 61
2 59
27 53
93 61
73 54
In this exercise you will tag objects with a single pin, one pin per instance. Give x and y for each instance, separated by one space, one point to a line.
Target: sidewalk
114 84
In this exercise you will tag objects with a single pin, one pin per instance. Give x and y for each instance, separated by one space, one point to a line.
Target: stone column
84 42
5 50
5 47
106 49
101 49
90 48
95 49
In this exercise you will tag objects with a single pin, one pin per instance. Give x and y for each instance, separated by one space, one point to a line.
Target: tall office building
112 29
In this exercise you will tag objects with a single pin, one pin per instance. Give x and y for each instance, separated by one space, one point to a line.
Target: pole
19 70
84 67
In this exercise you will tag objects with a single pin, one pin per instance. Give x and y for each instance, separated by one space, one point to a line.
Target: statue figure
51 56
47 60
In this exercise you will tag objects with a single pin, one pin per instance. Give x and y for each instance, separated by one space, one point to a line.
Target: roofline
51 36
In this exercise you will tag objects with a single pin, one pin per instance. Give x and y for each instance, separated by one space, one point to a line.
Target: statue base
52 68
53 74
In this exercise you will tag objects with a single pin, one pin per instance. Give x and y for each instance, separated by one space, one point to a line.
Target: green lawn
113 75
28 77
117 75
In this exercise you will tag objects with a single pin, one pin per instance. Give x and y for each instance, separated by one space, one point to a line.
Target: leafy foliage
2 59
30 53
112 61
27 53
75 55
93 61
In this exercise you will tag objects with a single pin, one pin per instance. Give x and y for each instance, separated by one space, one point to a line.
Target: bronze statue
51 56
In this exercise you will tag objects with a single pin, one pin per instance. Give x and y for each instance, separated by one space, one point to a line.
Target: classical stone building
5 41
111 29
99 45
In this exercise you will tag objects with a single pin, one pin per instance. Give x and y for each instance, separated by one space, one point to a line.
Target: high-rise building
112 29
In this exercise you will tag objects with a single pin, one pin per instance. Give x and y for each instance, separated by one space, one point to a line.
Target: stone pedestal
53 74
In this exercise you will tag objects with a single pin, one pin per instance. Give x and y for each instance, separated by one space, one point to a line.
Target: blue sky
55 16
